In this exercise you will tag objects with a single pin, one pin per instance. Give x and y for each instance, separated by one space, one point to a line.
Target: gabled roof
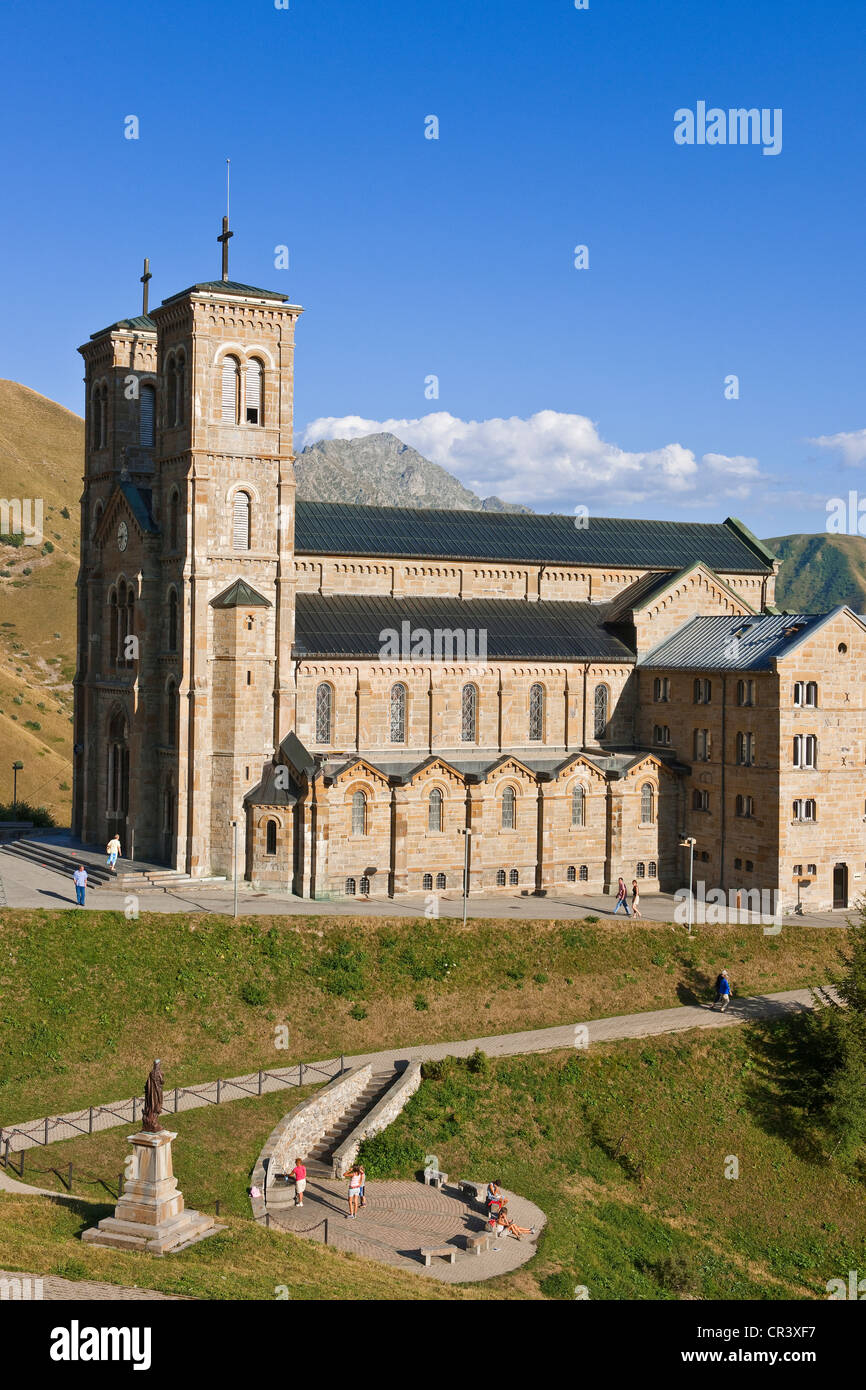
142 324
350 626
240 595
139 502
342 528
643 591
723 643
271 791
232 287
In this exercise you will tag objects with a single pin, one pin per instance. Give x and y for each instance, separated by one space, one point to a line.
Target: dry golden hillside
41 456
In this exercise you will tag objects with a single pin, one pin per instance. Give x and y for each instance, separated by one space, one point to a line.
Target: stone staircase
63 860
318 1160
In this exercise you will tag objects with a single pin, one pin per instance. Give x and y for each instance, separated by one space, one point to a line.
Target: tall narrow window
647 809
811 693
508 800
434 810
583 873
230 390
170 392
271 837
536 713
469 713
253 392
129 646
173 504
441 883
172 621
147 403
578 805
601 711
427 883
398 713
323 713
359 814
241 521
171 720
180 393
571 874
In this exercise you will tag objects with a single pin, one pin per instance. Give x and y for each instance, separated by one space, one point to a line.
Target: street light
468 834
234 826
16 768
690 841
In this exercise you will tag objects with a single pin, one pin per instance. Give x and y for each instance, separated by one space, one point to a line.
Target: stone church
362 700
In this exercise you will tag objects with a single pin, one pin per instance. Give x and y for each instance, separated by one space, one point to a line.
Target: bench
447 1252
434 1179
477 1242
475 1190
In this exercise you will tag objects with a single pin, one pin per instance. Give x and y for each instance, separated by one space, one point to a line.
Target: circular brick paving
401 1217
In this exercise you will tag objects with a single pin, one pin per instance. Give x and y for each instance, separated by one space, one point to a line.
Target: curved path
401 1217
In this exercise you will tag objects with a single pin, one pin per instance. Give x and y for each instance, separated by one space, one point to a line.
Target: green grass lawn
625 1147
88 999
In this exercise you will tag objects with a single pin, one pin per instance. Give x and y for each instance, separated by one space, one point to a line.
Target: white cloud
554 461
851 444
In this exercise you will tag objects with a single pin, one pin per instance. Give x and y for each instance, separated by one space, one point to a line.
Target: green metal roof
342 528
218 287
142 324
240 595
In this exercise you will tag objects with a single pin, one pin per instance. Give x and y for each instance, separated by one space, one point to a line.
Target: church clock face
122 536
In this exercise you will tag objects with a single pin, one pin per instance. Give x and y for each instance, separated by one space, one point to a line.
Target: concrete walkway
51 1289
581 1035
28 885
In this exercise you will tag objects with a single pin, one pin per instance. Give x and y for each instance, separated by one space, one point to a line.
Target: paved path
50 1289
29 885
32 1132
401 1217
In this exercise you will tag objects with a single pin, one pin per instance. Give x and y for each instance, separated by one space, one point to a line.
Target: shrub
478 1062
47 548
16 540
24 811
385 1154
358 1011
420 1003
64 511
680 1271
253 993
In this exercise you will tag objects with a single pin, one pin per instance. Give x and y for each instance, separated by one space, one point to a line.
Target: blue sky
454 257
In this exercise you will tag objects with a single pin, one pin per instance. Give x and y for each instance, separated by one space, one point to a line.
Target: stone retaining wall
298 1131
379 1118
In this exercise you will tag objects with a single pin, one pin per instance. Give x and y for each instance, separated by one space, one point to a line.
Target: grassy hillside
41 456
819 572
209 1005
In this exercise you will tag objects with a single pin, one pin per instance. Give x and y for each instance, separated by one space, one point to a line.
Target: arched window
428 883
97 517
271 837
173 503
174 712
95 408
241 521
536 713
398 713
500 878
147 408
231 370
513 877
180 395
170 392
172 621
434 810
440 882
641 869
359 814
469 714
647 808
652 869
350 888
811 693
113 629
129 649
118 764
578 805
508 799
601 711
570 873
584 873
253 391
364 886
324 699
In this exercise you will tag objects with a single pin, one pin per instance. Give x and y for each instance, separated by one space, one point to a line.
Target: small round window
842 648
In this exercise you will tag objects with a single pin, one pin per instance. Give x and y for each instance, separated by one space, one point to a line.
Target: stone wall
388 1108
298 1132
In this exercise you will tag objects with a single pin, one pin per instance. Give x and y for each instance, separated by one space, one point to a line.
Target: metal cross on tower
226 235
144 281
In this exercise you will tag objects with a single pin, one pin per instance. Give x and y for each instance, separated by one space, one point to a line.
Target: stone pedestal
150 1214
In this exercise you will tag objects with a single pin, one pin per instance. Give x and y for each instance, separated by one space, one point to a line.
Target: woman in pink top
299 1173
355 1183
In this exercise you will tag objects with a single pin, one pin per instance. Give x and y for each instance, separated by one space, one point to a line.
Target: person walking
635 899
621 898
362 1190
299 1173
723 991
354 1176
79 878
112 849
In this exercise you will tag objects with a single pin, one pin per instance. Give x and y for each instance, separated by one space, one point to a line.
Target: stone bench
434 1179
475 1190
477 1242
447 1252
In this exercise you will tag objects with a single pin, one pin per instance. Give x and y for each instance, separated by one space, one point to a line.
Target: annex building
357 687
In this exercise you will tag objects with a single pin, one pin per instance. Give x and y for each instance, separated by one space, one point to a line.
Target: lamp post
16 768
234 826
468 834
690 841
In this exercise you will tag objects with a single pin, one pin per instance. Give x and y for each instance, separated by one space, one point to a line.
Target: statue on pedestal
153 1100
